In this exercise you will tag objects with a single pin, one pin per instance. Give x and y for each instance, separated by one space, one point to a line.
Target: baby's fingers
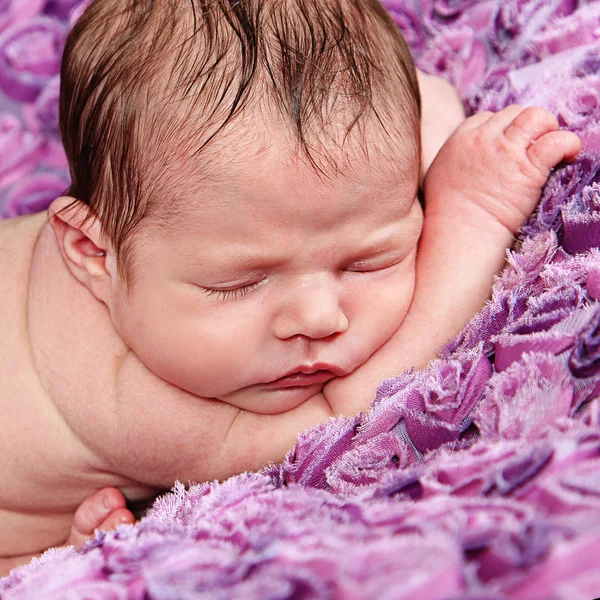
552 148
477 120
530 125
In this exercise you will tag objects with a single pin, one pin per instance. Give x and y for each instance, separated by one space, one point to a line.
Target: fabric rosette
484 469
432 407
522 280
34 194
567 31
372 468
569 571
526 399
581 103
30 54
497 536
42 116
14 11
20 150
553 332
581 221
463 58
567 487
63 9
308 460
584 359
411 19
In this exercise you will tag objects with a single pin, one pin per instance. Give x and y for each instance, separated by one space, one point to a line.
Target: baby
236 259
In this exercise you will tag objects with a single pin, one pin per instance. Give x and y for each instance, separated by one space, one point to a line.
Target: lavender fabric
476 478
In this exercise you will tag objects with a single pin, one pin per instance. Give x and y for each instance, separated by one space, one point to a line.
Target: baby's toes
553 148
123 516
530 125
103 510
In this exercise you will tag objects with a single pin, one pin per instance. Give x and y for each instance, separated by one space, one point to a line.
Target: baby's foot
105 510
496 164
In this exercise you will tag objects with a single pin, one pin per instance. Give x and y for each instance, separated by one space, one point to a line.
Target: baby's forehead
248 156
261 138
259 178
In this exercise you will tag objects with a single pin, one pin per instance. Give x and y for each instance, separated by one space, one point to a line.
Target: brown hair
146 84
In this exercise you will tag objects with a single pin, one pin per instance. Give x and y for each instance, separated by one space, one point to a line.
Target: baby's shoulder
21 390
17 241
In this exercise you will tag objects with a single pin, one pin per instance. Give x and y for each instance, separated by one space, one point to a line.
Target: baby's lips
309 369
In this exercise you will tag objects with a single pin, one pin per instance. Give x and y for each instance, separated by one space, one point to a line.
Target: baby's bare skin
441 113
68 371
34 433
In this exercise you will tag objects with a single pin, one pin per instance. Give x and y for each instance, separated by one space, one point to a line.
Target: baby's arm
484 184
441 113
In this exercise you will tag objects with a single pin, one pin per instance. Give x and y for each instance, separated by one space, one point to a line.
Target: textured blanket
477 478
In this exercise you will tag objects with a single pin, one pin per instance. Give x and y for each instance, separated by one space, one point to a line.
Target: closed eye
374 265
232 293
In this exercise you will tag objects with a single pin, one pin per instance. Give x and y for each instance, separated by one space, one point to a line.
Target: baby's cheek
384 304
397 296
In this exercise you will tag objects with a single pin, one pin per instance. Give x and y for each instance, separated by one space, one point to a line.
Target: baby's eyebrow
389 243
235 259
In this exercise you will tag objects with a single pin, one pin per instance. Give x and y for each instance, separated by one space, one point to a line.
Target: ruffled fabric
475 478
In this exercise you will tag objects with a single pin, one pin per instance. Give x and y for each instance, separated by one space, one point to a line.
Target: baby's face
272 281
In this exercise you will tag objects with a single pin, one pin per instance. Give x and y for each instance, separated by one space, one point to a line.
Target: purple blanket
477 478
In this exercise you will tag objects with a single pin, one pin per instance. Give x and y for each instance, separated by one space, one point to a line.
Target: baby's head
246 175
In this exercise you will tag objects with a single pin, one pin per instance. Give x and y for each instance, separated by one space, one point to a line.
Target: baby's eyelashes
234 292
238 291
376 264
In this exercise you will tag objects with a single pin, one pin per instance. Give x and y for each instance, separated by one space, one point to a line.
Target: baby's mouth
306 375
299 379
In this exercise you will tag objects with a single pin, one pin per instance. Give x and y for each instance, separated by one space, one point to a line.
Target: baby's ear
85 249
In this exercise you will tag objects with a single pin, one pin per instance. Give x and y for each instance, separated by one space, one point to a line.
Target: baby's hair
147 85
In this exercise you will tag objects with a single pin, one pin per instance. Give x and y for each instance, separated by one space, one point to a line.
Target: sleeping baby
242 253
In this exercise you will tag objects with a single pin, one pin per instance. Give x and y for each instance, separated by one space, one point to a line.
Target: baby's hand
495 165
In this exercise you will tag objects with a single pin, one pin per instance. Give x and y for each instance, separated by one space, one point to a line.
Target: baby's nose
312 310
